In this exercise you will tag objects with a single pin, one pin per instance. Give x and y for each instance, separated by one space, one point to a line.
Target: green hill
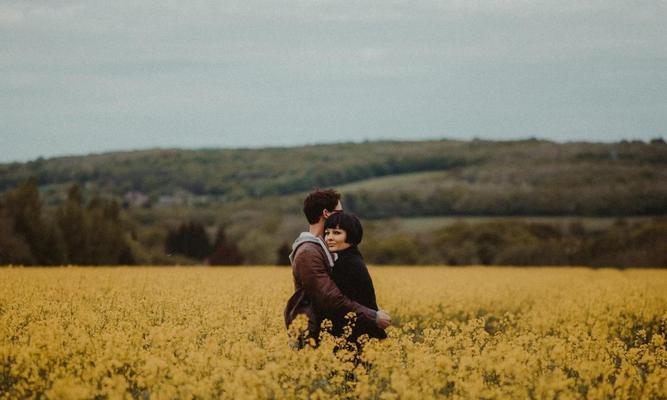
378 179
431 202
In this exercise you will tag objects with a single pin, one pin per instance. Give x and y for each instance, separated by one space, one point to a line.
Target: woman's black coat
352 278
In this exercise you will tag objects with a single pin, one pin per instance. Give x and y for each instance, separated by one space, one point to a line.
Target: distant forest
244 204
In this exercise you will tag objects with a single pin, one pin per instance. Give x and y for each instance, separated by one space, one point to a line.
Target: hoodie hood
307 237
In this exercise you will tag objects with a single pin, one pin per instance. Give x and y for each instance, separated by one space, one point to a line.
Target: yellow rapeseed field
180 333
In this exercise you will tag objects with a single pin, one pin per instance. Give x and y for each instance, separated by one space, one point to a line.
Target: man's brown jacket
315 292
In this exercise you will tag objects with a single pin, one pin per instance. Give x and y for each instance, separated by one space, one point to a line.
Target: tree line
622 244
76 233
191 240
100 232
92 233
594 199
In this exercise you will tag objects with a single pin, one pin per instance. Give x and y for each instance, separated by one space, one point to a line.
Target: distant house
136 199
171 200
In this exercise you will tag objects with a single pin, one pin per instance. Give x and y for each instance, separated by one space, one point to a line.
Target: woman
342 234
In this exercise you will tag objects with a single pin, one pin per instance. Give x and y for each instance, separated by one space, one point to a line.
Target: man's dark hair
349 223
318 201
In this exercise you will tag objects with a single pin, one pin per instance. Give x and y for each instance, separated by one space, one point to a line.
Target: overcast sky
91 76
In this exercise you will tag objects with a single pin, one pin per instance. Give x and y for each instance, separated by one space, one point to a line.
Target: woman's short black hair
347 222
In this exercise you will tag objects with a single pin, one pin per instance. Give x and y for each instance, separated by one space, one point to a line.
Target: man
314 290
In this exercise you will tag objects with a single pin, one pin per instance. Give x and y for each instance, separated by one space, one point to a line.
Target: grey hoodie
305 237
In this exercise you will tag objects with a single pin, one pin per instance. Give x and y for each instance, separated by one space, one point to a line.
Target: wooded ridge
444 177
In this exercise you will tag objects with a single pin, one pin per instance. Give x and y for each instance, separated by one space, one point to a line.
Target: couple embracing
330 276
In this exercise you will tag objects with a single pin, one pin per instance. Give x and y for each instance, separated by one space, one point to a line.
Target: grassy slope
245 186
243 173
427 224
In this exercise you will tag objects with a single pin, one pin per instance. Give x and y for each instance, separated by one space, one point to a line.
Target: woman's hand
383 319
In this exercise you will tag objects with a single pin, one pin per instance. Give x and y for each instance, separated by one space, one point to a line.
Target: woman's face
336 239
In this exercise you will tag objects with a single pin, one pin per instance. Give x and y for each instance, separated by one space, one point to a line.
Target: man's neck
317 229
